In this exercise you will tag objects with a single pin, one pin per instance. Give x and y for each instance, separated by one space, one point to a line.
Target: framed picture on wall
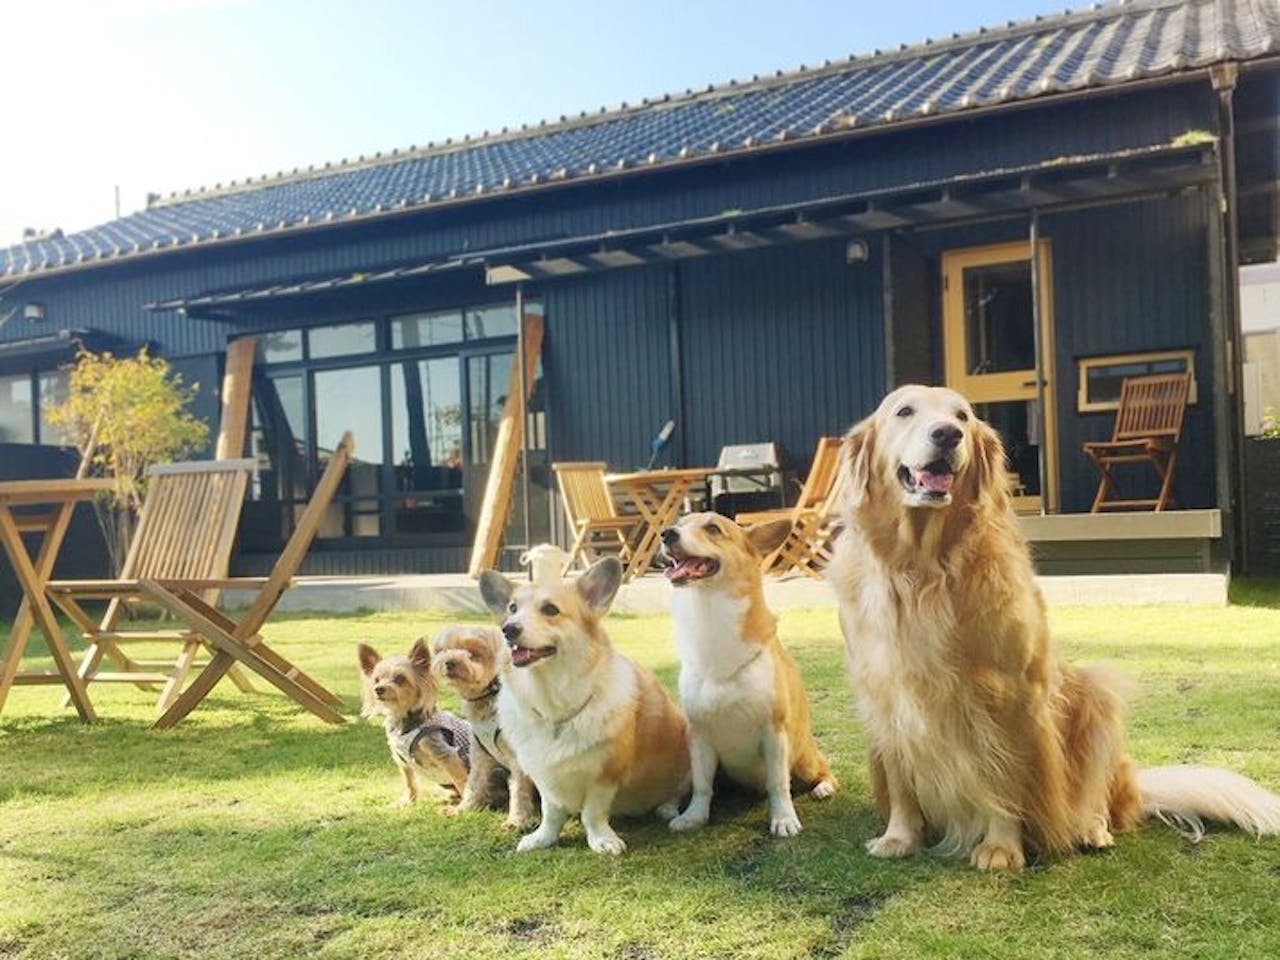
1100 377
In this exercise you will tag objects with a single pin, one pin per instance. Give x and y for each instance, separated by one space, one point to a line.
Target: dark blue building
760 260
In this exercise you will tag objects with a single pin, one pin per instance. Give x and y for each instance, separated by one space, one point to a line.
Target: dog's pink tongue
678 572
935 482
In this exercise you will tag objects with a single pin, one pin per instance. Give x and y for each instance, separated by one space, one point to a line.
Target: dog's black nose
512 630
380 690
670 536
945 435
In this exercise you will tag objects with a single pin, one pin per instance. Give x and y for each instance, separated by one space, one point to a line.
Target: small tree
125 414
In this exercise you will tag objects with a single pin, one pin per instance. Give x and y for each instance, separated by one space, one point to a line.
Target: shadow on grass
1255 592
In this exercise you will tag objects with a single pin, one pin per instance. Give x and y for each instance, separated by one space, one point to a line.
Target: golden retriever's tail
1185 797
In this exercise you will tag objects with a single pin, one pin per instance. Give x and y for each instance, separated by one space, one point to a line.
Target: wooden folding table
657 495
57 499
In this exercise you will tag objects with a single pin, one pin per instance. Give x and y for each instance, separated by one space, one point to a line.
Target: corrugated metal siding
608 366
783 345
1130 279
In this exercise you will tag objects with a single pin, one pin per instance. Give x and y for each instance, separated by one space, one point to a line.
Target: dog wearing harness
470 660
424 740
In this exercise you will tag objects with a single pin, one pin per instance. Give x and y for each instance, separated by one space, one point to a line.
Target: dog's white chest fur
726 682
564 757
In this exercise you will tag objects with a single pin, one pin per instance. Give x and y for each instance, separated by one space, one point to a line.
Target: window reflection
426 430
55 387
426 329
351 399
16 423
343 340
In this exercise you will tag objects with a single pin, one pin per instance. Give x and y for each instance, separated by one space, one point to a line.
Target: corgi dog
470 659
422 738
595 731
739 687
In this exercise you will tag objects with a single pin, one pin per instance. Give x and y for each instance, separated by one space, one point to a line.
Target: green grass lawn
254 830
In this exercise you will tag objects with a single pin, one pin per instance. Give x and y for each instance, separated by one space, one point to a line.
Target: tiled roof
1101 46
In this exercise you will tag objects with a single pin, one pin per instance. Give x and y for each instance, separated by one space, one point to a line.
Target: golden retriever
982 739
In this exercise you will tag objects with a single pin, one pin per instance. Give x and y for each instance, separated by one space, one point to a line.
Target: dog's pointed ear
496 591
420 655
991 471
857 455
599 584
769 536
368 657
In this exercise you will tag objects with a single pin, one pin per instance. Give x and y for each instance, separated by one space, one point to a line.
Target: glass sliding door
426 438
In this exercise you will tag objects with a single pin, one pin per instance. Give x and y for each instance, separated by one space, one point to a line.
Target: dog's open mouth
933 481
523 656
685 569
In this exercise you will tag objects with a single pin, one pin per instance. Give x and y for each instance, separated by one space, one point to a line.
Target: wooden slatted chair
232 641
186 529
1147 430
812 517
592 514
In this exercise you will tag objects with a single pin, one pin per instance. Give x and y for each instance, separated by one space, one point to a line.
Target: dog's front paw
1097 837
667 812
824 789
609 843
405 800
892 846
519 821
785 824
997 856
689 820
535 841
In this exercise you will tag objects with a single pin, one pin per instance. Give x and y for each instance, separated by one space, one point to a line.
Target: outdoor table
61 495
657 508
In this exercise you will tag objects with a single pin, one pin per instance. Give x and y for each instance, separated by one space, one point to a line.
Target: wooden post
237 384
506 453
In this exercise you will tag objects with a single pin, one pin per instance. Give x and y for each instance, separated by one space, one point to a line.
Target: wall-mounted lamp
33 312
856 251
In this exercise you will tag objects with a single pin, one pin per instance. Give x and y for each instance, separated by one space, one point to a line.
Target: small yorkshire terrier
470 660
422 738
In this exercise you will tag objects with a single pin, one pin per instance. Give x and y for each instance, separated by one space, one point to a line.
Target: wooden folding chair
1147 430
592 515
808 547
186 529
236 641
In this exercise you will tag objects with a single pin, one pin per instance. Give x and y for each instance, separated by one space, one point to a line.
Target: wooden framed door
989 346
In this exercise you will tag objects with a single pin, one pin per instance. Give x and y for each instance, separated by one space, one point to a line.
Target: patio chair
234 641
186 529
813 527
592 514
1147 430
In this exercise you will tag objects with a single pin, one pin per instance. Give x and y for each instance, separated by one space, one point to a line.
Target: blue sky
157 95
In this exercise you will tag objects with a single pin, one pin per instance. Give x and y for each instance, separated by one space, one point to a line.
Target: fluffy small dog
982 739
422 738
470 660
739 686
595 731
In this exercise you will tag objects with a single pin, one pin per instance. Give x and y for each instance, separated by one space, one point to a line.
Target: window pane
999 321
495 320
279 438
426 429
55 386
351 399
279 346
341 341
16 424
426 329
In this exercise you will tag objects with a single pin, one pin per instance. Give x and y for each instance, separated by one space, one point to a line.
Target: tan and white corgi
595 731
740 688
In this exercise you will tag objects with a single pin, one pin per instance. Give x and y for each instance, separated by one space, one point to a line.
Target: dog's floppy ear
368 657
989 467
599 584
420 655
856 459
769 536
496 591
